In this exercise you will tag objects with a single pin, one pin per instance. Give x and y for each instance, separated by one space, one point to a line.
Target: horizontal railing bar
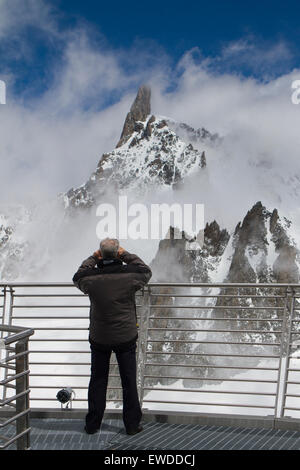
68 375
15 356
207 404
210 307
112 364
62 375
14 377
49 295
51 306
162 329
217 319
74 399
18 333
205 330
205 342
211 366
292 395
14 397
199 390
211 354
75 340
163 284
290 408
215 379
32 351
11 420
13 439
220 295
72 386
50 318
7 366
86 317
60 328
41 351
62 364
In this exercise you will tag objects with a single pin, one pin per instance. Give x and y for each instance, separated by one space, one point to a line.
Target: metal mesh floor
68 434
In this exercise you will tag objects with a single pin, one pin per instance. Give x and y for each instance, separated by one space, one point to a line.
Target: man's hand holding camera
97 254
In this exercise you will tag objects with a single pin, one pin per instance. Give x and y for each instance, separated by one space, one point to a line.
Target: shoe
90 431
132 432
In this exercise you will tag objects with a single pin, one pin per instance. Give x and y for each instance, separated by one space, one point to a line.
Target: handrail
18 333
244 348
20 337
160 284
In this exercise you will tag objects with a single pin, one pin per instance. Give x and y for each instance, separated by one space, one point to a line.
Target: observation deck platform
217 368
175 431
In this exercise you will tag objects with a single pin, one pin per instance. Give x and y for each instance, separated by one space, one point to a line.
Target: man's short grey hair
109 248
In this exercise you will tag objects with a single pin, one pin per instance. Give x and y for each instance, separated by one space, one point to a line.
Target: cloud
52 140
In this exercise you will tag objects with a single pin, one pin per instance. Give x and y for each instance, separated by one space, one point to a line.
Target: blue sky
249 38
178 26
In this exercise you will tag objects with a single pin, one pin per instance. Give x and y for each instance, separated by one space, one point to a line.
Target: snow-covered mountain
260 249
157 155
149 154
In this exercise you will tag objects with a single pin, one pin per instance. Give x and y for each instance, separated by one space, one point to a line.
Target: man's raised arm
143 272
85 269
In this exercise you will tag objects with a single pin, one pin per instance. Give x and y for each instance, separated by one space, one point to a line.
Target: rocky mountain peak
177 262
253 230
259 250
263 249
149 154
140 109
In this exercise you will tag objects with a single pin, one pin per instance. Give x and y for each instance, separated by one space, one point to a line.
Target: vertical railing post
288 348
2 373
4 290
22 402
8 321
284 353
143 338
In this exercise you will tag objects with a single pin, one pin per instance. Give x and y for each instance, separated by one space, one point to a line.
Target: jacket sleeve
82 282
142 274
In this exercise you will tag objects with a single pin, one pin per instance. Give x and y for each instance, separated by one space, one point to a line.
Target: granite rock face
264 252
150 154
259 250
139 111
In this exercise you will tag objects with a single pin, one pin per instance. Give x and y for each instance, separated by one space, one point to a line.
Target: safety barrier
219 348
14 349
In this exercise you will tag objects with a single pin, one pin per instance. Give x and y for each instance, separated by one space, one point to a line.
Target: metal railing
14 348
226 348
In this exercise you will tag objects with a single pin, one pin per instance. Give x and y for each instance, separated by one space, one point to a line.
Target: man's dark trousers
100 357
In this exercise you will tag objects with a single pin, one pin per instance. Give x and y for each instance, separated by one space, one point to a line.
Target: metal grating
68 434
157 436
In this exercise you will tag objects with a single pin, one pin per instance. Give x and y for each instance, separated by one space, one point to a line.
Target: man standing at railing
111 277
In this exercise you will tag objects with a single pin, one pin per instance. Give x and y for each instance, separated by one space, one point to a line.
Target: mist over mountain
260 249
159 160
